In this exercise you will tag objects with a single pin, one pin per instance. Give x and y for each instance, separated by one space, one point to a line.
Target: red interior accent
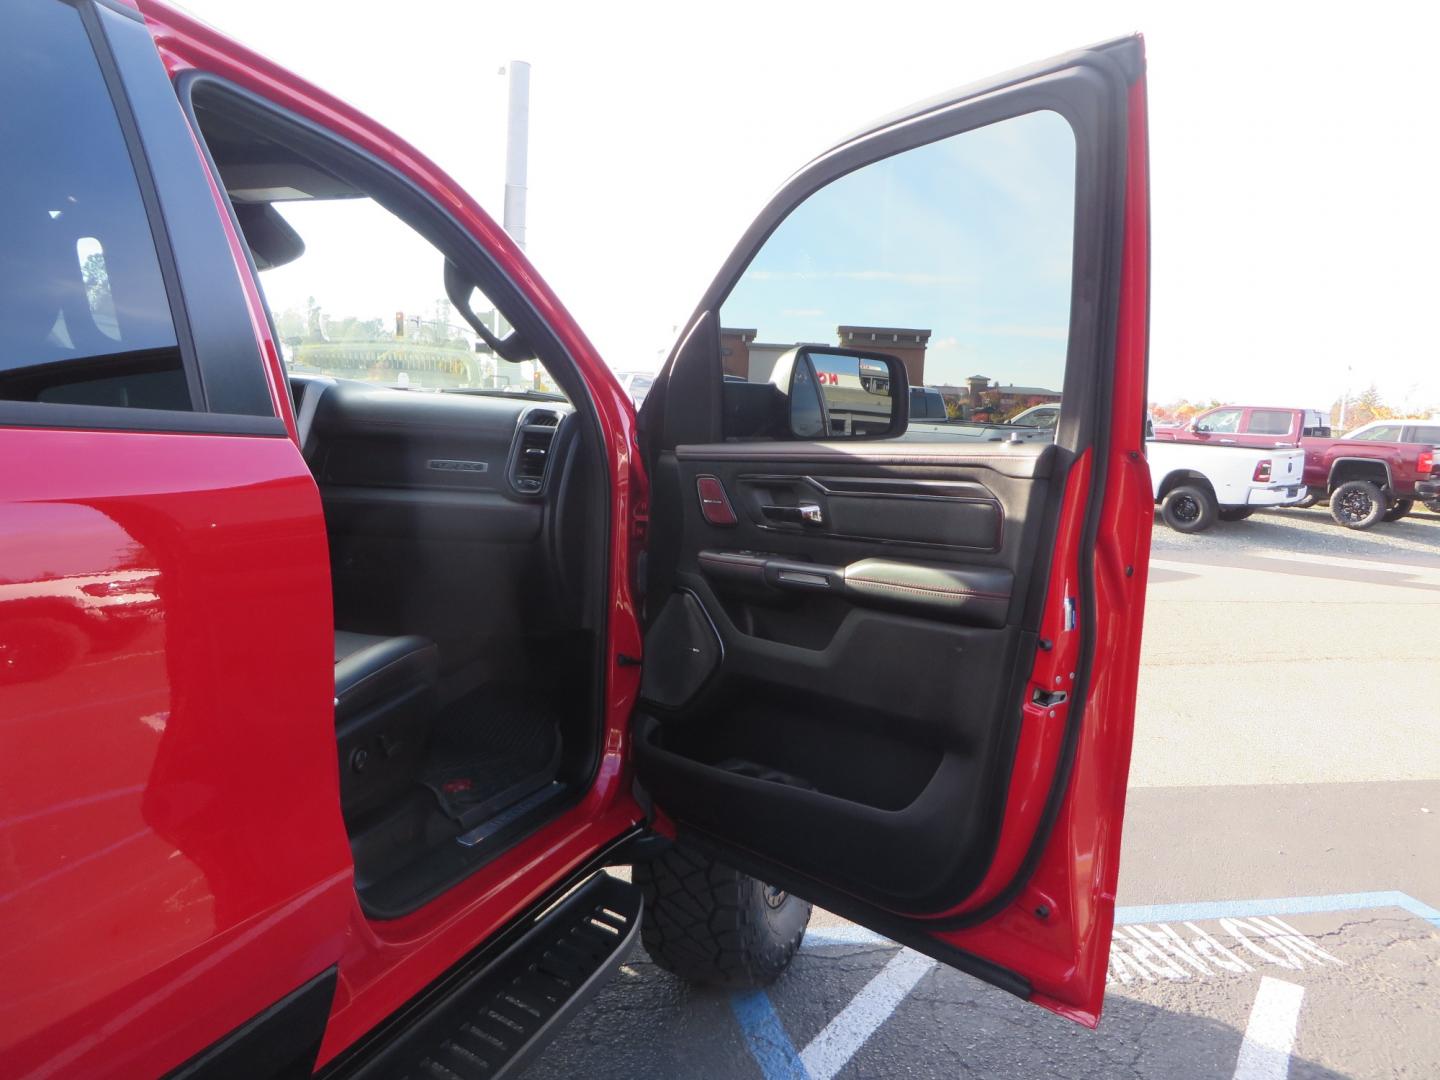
714 502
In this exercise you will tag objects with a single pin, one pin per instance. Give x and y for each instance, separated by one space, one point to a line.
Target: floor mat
492 749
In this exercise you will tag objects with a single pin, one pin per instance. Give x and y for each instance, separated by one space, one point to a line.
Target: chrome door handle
803 514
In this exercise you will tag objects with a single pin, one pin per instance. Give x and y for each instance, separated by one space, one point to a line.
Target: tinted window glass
84 316
1269 422
1381 433
1226 420
1425 434
954 258
926 404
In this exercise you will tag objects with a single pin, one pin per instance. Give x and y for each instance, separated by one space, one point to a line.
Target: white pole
517 139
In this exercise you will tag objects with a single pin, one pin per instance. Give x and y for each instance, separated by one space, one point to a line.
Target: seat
386 698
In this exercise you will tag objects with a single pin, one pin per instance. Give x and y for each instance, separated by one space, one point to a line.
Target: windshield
366 300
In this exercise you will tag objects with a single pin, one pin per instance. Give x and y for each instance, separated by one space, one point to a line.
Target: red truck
1365 481
325 698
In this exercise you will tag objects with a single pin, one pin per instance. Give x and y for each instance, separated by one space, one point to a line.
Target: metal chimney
517 141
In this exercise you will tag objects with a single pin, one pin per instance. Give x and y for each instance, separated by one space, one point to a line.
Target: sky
968 238
1294 166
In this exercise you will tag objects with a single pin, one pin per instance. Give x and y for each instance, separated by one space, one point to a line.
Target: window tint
926 404
358 293
1424 434
84 316
1379 433
1224 421
1040 417
954 258
1270 421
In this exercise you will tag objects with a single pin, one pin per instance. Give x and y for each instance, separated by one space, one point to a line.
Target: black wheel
1433 505
1189 508
1400 509
1307 502
708 923
1357 504
1235 513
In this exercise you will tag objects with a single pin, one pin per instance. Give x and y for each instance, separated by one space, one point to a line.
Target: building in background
753 360
982 399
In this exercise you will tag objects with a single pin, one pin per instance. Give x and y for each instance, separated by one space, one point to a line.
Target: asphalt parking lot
1280 876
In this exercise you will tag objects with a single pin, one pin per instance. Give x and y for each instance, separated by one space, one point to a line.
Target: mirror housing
835 393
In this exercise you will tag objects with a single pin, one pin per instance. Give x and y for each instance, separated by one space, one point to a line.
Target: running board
492 1024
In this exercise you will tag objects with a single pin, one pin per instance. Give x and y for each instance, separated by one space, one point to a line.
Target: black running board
494 1022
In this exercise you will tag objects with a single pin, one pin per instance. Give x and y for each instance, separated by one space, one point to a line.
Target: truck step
494 1021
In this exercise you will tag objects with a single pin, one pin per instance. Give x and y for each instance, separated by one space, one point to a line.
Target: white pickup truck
1196 483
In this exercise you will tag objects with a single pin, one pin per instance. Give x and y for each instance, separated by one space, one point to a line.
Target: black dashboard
360 434
459 517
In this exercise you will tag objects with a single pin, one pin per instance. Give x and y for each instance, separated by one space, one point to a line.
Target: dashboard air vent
532 451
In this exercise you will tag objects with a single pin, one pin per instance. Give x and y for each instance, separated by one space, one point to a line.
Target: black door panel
863 698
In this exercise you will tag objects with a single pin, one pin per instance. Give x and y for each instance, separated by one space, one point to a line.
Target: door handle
803 514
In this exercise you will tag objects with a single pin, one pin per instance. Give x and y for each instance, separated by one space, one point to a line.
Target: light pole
517 140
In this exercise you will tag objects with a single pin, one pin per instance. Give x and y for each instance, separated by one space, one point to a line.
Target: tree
1361 409
352 329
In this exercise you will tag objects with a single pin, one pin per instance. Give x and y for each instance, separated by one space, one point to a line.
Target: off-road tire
1235 513
1189 508
708 923
1400 509
1433 505
1308 501
1357 504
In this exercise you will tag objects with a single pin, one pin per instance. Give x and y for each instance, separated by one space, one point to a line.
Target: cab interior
465 529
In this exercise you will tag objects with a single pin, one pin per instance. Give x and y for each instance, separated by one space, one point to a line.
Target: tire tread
708 923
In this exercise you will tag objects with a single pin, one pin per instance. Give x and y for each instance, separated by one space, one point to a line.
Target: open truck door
894 674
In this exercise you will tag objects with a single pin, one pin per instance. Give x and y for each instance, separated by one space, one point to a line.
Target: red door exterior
165 624
172 855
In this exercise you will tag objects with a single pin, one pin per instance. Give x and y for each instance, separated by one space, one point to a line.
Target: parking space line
1269 1037
766 1037
1282 905
821 936
842 1037
1270 1033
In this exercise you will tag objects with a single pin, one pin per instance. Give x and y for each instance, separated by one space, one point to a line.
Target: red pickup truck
327 695
1364 480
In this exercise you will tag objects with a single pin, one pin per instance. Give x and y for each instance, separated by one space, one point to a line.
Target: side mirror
1201 427
843 393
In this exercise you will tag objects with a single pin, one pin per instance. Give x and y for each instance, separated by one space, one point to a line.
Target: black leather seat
386 697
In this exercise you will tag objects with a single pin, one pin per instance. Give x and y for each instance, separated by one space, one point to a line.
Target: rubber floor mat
493 748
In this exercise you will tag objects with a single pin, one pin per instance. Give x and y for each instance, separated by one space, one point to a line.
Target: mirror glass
834 394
